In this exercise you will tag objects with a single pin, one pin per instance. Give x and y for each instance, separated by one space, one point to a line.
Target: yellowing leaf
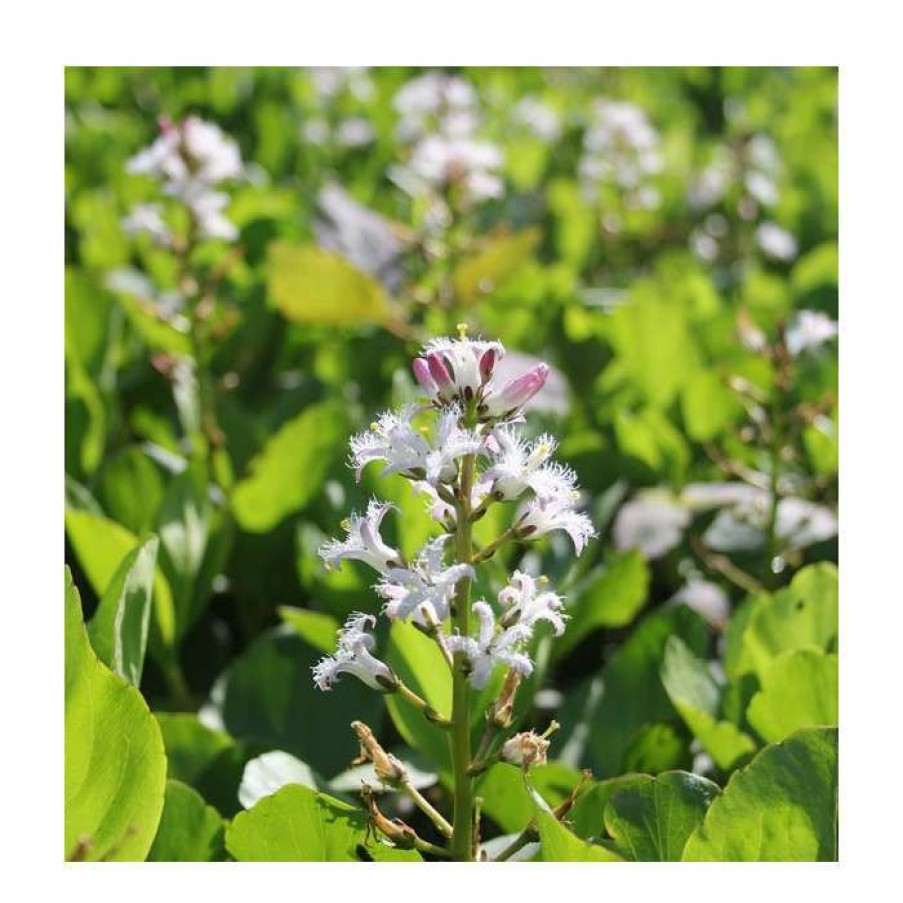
500 258
310 285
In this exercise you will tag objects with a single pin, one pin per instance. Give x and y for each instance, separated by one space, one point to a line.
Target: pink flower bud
487 363
520 390
422 375
439 371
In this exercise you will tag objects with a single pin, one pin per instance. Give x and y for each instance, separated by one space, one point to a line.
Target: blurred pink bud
422 375
439 371
487 363
165 124
520 390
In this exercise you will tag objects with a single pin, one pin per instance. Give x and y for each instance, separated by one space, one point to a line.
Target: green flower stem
424 805
419 702
462 838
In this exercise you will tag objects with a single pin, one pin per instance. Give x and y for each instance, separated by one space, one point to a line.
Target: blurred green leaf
697 698
190 830
310 285
708 405
498 259
290 470
314 627
118 630
612 597
115 763
781 807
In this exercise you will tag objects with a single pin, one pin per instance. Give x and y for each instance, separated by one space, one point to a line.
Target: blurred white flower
440 162
315 131
436 103
330 81
652 522
354 132
705 598
808 331
621 148
539 118
147 219
776 242
208 213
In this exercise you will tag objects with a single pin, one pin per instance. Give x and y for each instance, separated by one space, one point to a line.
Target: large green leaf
118 630
633 696
297 824
310 285
132 486
115 764
780 807
650 818
800 616
611 598
290 470
799 689
694 693
419 663
558 844
190 830
268 696
314 627
506 799
101 544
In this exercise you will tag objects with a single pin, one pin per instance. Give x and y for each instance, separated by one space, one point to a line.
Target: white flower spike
363 541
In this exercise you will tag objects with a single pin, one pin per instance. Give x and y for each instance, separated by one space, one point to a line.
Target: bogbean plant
472 456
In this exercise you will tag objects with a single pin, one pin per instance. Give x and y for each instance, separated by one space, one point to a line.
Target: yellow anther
542 580
374 427
346 524
462 330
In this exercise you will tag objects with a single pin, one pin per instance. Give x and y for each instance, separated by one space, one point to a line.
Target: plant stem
462 838
422 803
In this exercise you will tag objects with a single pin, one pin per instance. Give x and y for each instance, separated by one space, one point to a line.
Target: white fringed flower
353 656
545 515
492 647
525 604
423 591
363 541
147 219
518 462
394 440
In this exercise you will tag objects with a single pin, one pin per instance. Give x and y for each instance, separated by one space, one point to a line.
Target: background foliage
661 276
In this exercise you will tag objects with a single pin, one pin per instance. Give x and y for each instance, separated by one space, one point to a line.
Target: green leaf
118 630
419 663
316 628
310 285
158 333
708 405
297 824
190 830
694 693
650 818
799 689
101 544
290 470
132 488
558 844
633 694
800 616
495 262
780 807
612 598
268 696
207 759
506 799
115 766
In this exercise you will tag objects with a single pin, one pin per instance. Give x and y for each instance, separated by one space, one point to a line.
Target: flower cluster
190 159
439 117
621 149
474 456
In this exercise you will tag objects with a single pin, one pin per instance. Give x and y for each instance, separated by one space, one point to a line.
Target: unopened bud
526 750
